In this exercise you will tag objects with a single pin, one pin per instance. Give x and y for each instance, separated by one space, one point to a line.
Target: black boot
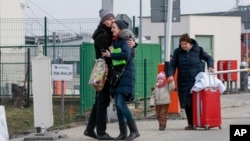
91 134
123 132
106 136
133 131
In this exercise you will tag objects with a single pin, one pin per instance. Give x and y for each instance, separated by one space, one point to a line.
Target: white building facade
10 11
218 35
12 33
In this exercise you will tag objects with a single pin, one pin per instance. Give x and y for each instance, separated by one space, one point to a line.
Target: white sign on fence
62 72
4 135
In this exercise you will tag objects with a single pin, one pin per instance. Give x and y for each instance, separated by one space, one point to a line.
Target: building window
174 45
247 25
244 8
206 42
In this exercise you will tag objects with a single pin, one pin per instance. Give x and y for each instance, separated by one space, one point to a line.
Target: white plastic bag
111 113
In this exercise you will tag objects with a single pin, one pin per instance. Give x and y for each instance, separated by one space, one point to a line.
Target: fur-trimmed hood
126 34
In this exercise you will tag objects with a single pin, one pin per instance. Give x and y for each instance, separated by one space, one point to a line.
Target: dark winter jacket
189 65
102 40
127 81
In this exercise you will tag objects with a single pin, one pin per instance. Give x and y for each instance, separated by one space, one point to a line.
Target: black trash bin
19 95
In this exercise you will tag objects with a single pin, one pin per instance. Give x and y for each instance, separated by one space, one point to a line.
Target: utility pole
168 27
246 44
140 28
246 40
237 4
107 4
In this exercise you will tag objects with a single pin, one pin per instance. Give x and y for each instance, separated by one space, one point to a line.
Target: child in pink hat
160 98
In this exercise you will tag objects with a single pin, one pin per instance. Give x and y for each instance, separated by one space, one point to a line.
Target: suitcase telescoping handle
199 108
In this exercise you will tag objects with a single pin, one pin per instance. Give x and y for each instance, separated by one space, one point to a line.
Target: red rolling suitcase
206 108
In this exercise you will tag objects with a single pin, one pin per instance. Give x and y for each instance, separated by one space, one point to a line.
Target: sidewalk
235 106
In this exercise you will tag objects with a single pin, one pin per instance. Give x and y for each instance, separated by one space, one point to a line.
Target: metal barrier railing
243 79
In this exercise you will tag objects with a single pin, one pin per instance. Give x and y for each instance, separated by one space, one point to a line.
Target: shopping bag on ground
111 113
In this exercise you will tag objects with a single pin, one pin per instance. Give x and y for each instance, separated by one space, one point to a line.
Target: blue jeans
123 112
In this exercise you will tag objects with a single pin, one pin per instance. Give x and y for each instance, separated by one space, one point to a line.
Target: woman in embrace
160 98
122 57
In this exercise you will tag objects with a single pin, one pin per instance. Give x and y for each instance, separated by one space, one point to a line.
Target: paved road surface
235 110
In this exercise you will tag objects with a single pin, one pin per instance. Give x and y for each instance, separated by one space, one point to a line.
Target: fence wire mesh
61 38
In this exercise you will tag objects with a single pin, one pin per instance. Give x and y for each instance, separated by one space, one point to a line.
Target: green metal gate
147 57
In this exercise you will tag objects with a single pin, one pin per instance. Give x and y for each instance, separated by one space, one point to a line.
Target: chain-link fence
60 38
16 69
33 31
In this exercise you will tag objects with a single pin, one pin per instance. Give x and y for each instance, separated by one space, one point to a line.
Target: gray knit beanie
121 24
105 14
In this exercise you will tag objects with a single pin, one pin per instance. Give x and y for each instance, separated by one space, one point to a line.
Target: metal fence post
81 49
1 74
145 87
133 24
28 80
45 37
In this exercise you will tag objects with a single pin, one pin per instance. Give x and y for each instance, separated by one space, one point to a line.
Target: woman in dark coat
187 58
102 41
124 90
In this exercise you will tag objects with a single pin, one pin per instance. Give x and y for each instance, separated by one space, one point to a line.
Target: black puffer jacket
189 65
102 40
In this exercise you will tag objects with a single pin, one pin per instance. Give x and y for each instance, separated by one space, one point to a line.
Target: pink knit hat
161 75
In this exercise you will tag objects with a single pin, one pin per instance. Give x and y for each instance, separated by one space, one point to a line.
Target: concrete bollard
243 77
